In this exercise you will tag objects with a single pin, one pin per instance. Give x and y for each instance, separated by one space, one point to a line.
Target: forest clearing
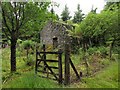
40 49
25 76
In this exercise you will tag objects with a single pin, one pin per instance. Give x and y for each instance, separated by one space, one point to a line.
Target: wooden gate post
36 60
44 57
60 65
67 64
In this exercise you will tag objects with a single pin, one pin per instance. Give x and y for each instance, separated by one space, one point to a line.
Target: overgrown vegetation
100 68
95 41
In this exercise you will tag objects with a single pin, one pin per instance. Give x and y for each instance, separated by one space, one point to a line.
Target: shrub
92 50
105 62
103 50
28 44
98 50
30 60
19 41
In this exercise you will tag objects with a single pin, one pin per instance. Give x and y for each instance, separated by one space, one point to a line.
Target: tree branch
16 16
4 19
6 34
12 17
23 18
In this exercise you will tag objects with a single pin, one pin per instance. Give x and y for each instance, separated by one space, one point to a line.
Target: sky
85 5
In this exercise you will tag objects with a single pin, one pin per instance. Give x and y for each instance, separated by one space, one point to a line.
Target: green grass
30 80
25 78
20 63
5 61
107 78
76 59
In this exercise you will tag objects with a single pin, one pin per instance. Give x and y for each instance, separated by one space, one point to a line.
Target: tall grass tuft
30 80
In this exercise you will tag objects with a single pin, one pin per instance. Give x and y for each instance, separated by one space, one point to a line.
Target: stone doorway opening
55 42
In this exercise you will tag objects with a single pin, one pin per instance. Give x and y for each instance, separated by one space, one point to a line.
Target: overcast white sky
85 5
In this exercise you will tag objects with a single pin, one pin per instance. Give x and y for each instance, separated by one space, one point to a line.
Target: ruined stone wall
51 30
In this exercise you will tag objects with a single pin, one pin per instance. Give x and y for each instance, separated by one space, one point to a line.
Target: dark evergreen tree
93 10
52 10
65 14
78 16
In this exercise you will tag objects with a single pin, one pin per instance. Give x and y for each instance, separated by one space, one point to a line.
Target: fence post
60 65
44 55
67 64
36 61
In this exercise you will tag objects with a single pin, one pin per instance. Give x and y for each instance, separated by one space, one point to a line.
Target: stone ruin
54 33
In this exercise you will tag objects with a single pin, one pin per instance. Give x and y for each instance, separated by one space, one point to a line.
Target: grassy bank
106 77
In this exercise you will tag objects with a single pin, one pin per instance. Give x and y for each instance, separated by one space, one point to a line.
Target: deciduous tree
17 15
